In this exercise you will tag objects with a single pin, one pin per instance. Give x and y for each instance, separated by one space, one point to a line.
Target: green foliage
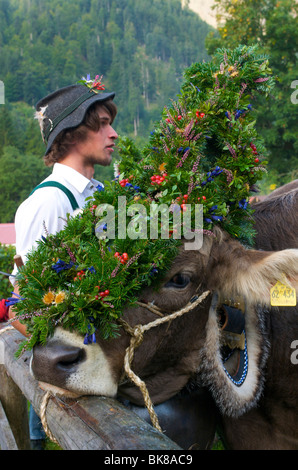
204 148
18 177
64 279
141 48
6 265
207 143
273 25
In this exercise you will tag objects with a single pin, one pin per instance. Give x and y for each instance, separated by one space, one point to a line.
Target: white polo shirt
47 208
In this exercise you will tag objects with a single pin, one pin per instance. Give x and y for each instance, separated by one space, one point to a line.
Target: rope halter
136 339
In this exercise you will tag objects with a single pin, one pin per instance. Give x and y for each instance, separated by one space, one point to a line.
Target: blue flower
100 187
12 300
89 338
216 171
243 204
61 266
100 228
239 112
153 272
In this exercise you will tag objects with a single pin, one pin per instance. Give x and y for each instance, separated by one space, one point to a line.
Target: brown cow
246 359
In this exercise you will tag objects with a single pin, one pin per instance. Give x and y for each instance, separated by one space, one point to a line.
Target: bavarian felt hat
65 109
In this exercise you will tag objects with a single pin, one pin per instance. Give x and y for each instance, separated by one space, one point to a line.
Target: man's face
98 147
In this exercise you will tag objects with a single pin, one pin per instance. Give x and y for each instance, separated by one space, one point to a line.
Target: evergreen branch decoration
205 150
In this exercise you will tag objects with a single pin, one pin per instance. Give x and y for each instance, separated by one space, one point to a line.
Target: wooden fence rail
87 423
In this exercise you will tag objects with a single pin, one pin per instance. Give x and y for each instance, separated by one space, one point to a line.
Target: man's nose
113 134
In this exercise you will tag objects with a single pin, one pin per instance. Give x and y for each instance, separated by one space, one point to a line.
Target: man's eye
179 281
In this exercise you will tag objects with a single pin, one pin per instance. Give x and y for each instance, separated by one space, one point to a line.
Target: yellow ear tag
283 295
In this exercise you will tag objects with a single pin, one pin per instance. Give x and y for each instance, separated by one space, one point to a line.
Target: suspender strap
68 193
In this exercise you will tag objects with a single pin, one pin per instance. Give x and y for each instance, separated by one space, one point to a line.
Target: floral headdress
205 150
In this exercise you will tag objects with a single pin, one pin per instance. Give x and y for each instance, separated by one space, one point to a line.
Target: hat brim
74 119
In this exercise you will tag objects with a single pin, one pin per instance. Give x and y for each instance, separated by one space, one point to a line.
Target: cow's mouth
57 391
234 355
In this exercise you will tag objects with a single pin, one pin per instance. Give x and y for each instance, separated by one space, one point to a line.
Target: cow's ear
251 273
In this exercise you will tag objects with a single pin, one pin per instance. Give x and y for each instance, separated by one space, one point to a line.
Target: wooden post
14 406
7 440
18 261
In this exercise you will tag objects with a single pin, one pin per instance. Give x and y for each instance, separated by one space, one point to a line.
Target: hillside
140 47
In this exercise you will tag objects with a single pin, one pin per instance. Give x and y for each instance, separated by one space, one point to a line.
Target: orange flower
48 298
60 297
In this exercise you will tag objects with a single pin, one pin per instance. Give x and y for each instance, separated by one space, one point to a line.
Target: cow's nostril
55 362
70 358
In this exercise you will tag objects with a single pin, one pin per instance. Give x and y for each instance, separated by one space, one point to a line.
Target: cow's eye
179 281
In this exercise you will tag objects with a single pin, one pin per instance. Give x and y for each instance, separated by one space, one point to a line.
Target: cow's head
199 345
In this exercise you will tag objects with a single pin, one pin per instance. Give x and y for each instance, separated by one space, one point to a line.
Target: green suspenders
68 193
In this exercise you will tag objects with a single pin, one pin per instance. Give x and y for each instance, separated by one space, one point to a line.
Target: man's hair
66 139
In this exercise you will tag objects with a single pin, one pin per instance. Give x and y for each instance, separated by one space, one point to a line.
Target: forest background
141 47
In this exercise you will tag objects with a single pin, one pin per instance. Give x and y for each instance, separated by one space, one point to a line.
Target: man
76 125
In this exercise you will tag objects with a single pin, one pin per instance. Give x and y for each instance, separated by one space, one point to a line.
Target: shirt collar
73 177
